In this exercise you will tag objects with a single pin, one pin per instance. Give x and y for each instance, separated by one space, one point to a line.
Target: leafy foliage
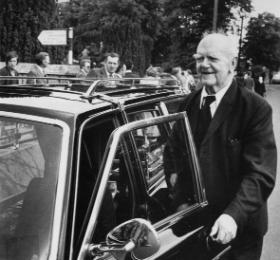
187 20
20 24
263 41
141 31
128 27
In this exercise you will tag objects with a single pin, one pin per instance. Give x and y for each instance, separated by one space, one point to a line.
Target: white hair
228 42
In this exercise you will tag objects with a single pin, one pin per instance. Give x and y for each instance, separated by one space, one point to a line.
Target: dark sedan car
87 175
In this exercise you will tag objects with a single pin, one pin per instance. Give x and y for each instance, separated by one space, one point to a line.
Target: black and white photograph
139 129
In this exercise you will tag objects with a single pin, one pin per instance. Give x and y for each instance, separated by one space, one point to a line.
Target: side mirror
136 236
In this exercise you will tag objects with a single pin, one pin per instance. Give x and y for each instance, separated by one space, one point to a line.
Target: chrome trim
106 165
58 212
153 188
175 217
173 241
219 255
77 173
199 180
163 108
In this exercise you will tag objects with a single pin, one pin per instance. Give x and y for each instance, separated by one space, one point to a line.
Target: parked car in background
276 78
84 174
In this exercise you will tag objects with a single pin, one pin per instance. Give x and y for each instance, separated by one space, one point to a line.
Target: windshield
29 164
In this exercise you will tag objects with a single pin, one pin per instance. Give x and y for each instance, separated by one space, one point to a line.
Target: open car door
152 172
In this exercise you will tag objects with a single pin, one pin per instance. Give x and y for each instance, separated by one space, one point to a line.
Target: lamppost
215 15
240 41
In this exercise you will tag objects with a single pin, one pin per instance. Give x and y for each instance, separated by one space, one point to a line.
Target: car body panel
92 117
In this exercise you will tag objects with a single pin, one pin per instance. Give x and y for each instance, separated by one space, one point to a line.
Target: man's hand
224 229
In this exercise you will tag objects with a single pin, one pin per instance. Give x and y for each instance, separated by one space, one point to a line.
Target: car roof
62 103
34 98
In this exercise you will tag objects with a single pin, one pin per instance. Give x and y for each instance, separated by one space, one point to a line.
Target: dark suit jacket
100 73
36 72
97 73
237 157
6 72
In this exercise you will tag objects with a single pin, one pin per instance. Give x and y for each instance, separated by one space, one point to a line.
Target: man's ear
234 63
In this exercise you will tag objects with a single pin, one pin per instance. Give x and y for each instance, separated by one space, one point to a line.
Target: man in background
11 60
178 73
248 81
111 64
84 68
108 71
38 70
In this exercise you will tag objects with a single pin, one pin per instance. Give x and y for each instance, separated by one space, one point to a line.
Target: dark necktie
205 110
204 118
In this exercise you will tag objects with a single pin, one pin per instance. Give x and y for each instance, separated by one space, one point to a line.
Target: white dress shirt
219 95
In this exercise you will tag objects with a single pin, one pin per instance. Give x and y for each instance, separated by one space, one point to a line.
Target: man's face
46 61
214 64
87 67
12 63
111 64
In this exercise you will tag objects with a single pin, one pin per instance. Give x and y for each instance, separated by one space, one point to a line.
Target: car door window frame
57 226
106 165
161 108
94 120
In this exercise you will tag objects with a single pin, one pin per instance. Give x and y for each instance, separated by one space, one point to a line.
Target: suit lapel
103 73
39 72
192 108
223 110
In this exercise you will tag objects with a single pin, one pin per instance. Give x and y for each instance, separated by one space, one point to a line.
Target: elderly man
233 133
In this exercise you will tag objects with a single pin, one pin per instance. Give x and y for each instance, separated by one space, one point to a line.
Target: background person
190 79
84 68
179 75
259 85
107 71
111 64
233 133
11 60
248 81
42 61
130 72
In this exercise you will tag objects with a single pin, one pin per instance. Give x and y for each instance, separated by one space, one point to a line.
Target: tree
262 41
129 27
187 20
20 24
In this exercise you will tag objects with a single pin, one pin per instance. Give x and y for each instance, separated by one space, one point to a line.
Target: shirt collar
40 68
219 95
108 73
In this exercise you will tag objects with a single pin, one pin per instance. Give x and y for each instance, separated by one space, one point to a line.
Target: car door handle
224 251
217 248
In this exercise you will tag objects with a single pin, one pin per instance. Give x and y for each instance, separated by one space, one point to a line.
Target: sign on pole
62 1
70 51
53 37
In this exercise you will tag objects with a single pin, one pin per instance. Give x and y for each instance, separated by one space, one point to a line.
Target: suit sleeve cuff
237 214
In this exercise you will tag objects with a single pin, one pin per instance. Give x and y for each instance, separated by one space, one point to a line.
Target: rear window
29 164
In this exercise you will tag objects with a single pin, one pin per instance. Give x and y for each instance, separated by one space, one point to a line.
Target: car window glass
169 183
138 115
119 198
29 166
168 169
117 204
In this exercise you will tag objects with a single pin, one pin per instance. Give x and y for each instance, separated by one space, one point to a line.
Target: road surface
271 250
